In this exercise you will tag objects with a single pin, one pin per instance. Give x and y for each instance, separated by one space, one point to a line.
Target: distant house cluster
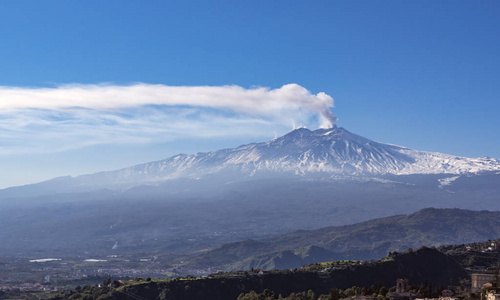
494 246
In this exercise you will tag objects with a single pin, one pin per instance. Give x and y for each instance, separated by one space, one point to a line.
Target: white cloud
34 120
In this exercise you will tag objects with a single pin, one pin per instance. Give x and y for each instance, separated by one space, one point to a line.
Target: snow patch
443 182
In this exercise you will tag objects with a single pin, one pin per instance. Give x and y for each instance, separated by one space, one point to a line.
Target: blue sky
422 74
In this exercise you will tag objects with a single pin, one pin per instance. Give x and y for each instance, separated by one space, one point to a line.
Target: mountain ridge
333 153
361 241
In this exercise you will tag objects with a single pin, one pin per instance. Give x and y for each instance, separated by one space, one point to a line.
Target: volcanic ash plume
330 119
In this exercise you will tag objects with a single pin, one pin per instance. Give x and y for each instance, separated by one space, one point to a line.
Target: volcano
333 153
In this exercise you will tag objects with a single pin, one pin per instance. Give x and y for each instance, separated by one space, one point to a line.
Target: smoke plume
78 115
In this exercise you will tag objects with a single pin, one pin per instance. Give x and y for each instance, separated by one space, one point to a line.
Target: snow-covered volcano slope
333 151
324 152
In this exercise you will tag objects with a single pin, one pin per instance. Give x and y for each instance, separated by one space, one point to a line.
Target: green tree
311 295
